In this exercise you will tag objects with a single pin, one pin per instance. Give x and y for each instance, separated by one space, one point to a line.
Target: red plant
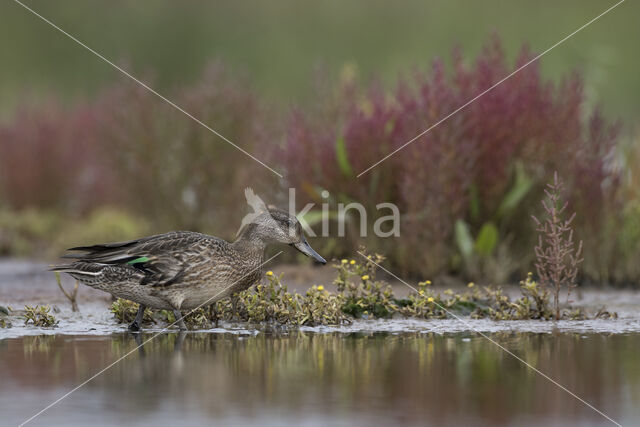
49 159
131 148
174 167
467 160
557 258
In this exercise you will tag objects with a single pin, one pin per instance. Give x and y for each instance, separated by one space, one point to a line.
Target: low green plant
4 313
533 293
423 304
361 296
195 319
533 304
125 311
272 302
321 307
39 316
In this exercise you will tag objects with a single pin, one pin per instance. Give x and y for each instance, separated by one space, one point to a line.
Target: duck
184 270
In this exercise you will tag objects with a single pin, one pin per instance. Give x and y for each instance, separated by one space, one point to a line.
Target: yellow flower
321 288
344 261
421 292
430 299
471 285
269 273
352 262
365 277
428 282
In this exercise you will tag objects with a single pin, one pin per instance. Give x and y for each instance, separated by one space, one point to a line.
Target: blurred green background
278 44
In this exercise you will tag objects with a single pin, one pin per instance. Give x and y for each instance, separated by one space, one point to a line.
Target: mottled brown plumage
183 270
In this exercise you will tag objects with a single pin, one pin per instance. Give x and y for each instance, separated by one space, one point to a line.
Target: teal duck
184 270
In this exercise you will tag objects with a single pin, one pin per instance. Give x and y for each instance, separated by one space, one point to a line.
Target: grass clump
39 316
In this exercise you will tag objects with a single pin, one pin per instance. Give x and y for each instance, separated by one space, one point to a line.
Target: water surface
310 378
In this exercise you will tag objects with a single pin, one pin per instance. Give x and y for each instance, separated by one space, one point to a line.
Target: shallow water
400 371
312 378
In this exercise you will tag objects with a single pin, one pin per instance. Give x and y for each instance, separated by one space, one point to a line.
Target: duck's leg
234 305
137 322
179 320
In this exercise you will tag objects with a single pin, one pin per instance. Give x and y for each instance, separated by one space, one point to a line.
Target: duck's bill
304 247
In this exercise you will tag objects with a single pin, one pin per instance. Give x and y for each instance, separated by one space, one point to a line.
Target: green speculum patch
138 260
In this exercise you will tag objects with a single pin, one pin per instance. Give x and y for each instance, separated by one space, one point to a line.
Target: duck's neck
250 242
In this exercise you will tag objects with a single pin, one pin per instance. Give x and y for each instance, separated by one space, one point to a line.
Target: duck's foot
137 322
179 320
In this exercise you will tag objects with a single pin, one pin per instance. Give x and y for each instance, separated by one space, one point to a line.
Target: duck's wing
163 258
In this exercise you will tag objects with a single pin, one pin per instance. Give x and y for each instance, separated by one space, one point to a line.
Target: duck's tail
75 270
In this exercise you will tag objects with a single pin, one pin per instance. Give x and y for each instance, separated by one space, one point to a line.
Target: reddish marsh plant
466 167
49 160
557 257
174 167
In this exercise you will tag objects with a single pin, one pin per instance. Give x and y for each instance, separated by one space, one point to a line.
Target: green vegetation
195 319
274 303
47 232
125 312
174 46
39 316
4 312
360 296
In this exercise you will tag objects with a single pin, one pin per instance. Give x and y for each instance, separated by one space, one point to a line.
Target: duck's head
277 226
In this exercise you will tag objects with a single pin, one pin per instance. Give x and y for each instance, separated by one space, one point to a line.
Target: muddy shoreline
26 282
